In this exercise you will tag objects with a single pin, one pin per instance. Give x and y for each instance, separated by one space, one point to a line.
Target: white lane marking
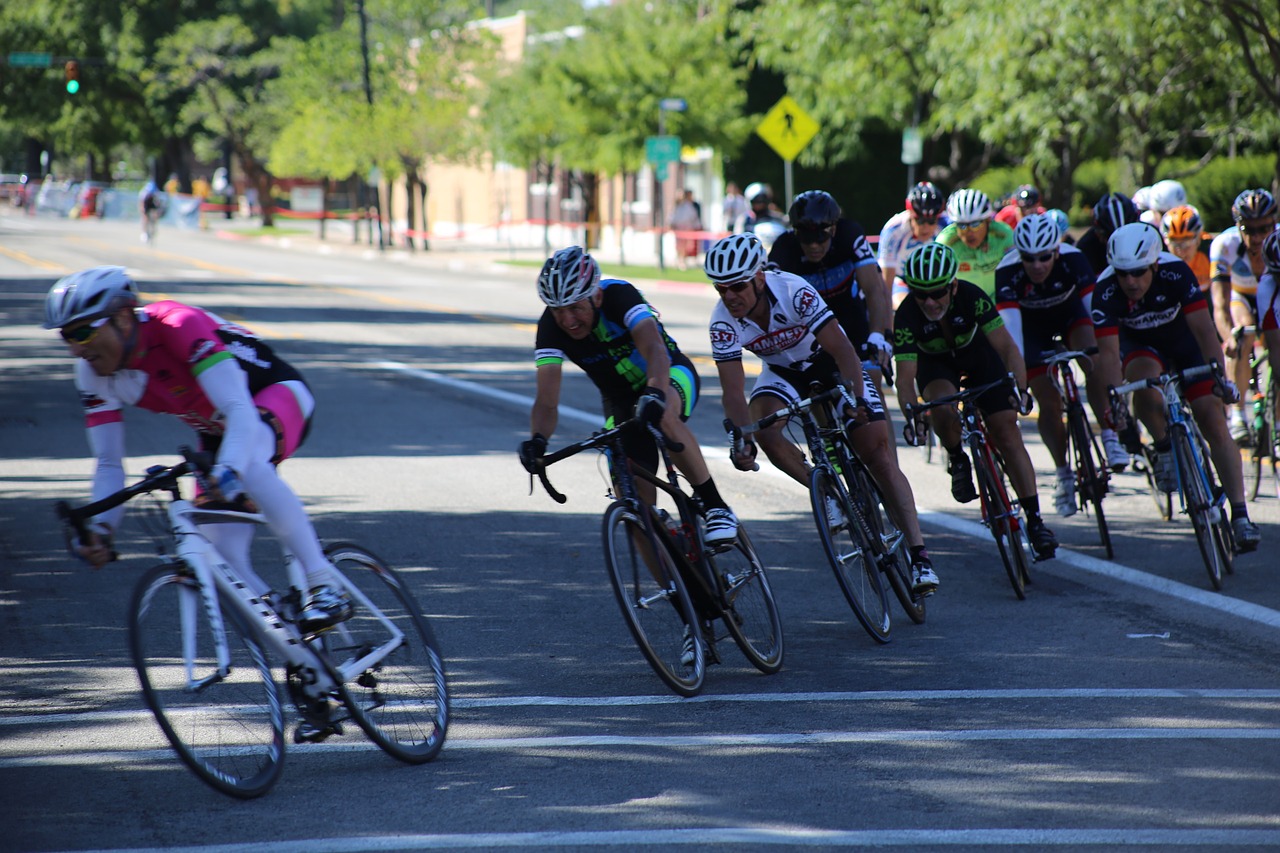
776 834
100 717
1115 571
80 756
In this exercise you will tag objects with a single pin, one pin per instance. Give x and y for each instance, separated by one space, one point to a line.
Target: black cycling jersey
1094 248
916 336
834 276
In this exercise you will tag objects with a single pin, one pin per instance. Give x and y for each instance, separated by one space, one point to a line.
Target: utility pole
368 96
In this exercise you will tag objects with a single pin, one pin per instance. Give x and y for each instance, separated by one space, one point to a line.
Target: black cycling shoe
1043 542
961 478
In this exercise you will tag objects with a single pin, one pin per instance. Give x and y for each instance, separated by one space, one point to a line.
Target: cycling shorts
792 386
638 444
1041 328
286 407
1179 354
976 364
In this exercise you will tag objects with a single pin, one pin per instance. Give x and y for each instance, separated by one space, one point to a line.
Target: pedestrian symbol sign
787 128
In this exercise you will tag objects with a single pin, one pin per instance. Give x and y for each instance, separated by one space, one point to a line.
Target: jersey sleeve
625 305
987 318
905 345
726 343
1220 254
547 347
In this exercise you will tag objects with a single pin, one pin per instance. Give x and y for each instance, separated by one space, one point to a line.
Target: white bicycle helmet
968 206
1134 246
1166 195
88 295
568 276
734 258
1036 233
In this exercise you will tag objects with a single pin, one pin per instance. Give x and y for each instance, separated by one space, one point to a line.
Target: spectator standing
734 207
686 221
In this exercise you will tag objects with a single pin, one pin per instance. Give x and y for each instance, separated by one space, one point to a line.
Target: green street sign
31 60
660 150
660 171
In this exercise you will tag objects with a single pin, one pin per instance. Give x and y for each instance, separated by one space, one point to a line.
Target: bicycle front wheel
893 558
1205 515
1002 519
227 727
751 614
653 600
400 699
1091 482
852 556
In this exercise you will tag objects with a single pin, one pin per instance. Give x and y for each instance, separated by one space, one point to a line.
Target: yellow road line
23 257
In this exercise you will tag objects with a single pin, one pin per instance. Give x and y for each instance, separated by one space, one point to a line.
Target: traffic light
73 76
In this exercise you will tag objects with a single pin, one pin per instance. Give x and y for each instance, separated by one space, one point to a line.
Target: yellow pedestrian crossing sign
787 128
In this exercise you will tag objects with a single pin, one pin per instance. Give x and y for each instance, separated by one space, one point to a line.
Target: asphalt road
1122 704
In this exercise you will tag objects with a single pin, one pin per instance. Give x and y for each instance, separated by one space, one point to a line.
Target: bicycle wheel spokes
852 557
1091 476
653 601
400 699
1005 526
228 728
752 614
894 559
1205 515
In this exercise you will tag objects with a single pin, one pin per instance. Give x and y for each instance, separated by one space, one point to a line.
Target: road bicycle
1093 475
1201 497
203 639
1263 443
861 541
1002 516
670 583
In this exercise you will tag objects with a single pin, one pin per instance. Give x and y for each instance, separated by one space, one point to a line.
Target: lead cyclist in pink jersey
248 406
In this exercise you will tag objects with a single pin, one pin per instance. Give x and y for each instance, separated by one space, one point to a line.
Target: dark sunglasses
925 220
931 296
81 335
1131 273
821 235
1257 230
1038 259
736 287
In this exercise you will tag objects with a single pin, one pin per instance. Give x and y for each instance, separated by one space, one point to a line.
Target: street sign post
787 129
662 151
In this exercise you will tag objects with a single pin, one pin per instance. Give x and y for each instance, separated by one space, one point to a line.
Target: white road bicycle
203 639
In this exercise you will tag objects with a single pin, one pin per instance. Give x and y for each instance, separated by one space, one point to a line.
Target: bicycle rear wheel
402 700
894 559
851 556
1091 481
653 600
751 614
1205 515
1002 519
229 730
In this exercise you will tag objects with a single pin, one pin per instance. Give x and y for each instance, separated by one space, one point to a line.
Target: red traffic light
73 76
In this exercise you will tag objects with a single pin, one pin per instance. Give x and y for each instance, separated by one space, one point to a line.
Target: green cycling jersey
979 265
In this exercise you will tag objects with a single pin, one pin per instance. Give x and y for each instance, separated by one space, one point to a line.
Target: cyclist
248 406
764 218
1025 202
151 206
782 319
608 329
1043 290
1109 213
832 254
1059 218
1269 302
1162 197
1236 258
949 335
905 230
1150 317
978 242
1182 230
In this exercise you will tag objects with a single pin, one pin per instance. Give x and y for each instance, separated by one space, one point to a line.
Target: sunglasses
970 226
81 335
819 236
931 296
925 220
1258 230
1138 273
1037 259
736 287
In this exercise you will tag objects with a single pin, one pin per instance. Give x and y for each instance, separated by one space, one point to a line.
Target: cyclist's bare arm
545 414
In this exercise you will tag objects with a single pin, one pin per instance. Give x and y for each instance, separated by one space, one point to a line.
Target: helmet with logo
968 206
89 295
1182 223
1166 195
1113 210
925 199
568 276
1026 196
930 267
1253 204
734 258
1036 233
813 211
1271 253
1134 246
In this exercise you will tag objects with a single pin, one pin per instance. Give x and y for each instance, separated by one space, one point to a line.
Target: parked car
13 188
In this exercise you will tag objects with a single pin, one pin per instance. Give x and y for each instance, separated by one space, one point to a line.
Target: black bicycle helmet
1253 204
1026 196
1113 210
813 211
925 199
